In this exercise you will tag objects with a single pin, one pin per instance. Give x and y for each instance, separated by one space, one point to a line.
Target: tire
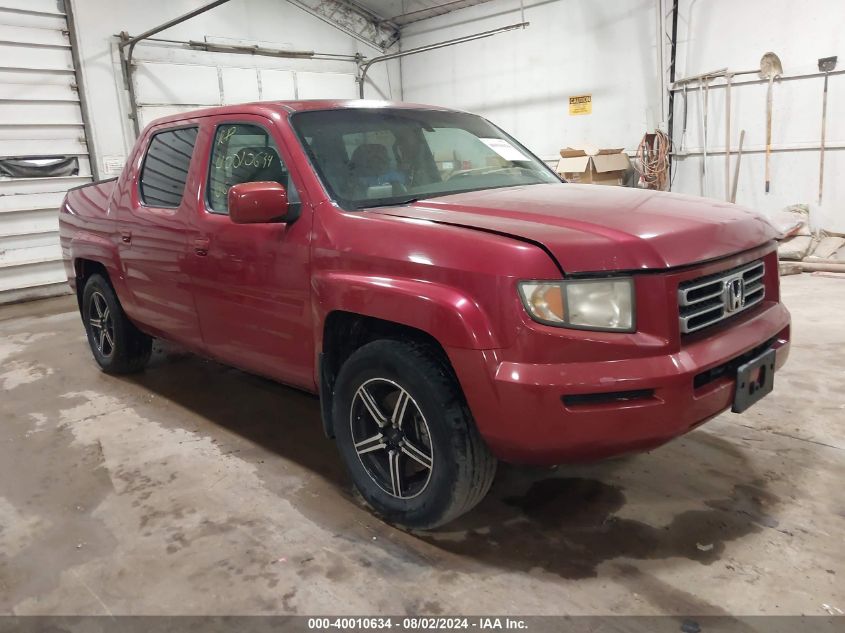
430 426
118 346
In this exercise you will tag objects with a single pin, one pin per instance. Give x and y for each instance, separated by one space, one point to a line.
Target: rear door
252 281
155 228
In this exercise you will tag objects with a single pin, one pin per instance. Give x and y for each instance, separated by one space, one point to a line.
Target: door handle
201 246
126 237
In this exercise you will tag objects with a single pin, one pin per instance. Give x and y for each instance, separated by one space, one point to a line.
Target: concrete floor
197 489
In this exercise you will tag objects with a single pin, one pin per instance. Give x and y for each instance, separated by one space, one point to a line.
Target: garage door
196 79
42 145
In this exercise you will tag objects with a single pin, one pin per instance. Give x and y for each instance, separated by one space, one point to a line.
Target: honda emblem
734 294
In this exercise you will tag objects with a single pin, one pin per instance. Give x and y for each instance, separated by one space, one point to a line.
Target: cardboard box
592 166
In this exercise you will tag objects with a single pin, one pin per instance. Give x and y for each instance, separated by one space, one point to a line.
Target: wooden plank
27 241
33 20
33 132
28 35
11 67
29 222
43 147
32 275
48 7
36 58
17 186
42 291
33 113
31 201
37 92
27 76
26 256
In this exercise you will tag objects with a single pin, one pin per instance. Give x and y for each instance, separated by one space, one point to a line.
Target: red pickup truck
451 300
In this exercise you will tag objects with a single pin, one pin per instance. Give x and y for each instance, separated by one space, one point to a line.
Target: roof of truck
269 108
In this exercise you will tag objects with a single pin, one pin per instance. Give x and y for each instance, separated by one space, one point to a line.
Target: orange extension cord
653 161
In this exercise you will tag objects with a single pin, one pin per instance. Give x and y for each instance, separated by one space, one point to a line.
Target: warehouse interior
193 488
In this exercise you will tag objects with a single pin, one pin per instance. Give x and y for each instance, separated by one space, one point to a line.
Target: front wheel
118 346
407 436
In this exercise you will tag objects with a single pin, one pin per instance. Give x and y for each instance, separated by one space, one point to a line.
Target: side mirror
259 203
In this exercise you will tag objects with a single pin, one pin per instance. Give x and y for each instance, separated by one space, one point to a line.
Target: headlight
594 304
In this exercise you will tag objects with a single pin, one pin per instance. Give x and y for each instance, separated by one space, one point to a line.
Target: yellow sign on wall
582 104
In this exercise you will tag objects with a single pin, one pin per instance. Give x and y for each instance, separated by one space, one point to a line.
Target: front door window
244 152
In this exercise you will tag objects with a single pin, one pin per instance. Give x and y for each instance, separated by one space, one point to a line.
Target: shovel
728 80
826 64
770 67
703 85
738 161
684 132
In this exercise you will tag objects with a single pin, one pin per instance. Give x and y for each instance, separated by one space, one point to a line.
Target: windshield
375 157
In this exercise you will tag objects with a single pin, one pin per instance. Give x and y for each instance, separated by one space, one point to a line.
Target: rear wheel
407 436
118 346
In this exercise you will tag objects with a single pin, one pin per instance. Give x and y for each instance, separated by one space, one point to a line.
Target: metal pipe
706 95
660 69
678 86
430 47
126 68
760 149
735 182
249 50
672 58
131 42
698 78
255 50
80 90
728 78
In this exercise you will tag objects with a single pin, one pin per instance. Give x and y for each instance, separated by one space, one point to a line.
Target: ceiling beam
353 19
429 12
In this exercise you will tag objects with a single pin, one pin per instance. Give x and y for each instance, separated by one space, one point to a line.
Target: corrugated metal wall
40 116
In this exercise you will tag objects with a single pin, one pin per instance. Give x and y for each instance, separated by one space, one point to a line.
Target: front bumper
553 413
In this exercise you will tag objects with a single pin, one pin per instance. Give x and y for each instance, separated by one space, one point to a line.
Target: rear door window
165 169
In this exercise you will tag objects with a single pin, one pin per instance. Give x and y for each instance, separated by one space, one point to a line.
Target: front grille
707 300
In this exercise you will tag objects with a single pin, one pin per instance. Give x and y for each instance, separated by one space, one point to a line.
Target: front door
251 282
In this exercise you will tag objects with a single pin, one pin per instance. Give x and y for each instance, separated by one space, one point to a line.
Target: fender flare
100 249
444 312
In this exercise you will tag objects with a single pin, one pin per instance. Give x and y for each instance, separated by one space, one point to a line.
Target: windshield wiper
391 203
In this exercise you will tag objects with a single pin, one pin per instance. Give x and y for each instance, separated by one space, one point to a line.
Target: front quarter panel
446 281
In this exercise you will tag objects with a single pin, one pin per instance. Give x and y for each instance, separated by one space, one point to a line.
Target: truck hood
590 228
